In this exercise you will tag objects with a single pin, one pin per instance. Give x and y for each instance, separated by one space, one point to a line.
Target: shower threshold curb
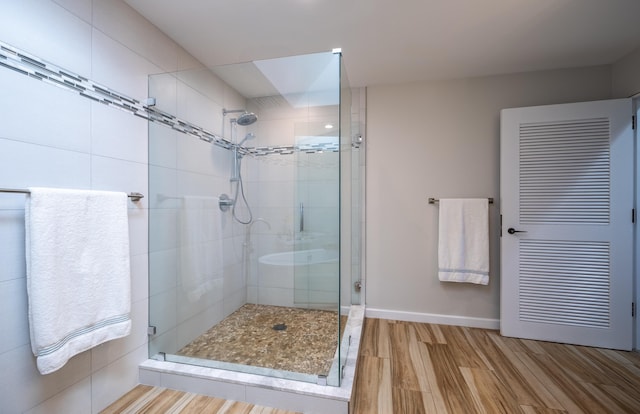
262 390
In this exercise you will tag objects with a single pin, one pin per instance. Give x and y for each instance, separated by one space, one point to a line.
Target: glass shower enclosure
252 182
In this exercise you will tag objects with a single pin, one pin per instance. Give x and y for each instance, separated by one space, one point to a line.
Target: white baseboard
468 321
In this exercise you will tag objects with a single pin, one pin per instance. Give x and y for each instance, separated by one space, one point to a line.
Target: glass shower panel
357 194
316 227
206 267
316 230
346 173
356 225
189 290
345 209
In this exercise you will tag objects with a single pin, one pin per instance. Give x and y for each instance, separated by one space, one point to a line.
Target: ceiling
385 41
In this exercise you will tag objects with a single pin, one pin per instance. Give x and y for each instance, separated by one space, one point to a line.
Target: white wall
441 139
52 137
626 75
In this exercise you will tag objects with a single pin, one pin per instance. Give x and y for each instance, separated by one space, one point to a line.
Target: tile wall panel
41 26
56 119
14 323
12 242
119 68
120 22
117 134
75 400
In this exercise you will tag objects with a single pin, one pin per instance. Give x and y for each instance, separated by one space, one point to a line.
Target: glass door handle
301 217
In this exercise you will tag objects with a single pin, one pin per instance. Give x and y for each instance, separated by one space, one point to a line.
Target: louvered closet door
567 233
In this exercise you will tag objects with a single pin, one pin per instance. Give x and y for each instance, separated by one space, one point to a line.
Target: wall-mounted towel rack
135 197
435 200
224 202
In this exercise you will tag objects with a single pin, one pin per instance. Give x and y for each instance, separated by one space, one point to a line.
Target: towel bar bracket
135 197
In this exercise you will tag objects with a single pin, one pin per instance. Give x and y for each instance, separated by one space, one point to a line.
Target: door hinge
633 215
500 225
633 309
633 122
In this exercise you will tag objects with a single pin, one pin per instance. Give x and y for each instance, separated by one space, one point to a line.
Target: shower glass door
317 205
316 212
216 283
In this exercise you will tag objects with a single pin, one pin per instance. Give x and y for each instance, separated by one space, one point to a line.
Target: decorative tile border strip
286 150
21 62
33 67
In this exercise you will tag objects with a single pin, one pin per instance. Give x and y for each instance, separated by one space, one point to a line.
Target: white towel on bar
463 242
78 275
200 246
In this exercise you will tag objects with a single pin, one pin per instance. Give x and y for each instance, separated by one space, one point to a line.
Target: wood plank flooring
413 368
407 367
156 400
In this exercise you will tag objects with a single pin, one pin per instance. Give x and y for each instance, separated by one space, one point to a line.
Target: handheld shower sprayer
237 157
247 118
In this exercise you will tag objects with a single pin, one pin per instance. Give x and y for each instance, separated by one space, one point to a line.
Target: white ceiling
391 41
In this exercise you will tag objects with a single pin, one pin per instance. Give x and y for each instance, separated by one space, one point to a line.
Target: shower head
250 135
247 118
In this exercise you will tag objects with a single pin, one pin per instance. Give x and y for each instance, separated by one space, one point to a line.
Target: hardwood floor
156 400
407 367
414 368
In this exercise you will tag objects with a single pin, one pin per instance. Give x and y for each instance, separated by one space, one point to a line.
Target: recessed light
328 126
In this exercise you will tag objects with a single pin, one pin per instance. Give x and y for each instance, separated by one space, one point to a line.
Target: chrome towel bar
135 197
435 200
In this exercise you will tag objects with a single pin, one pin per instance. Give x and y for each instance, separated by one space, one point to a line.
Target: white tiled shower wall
276 185
179 166
52 137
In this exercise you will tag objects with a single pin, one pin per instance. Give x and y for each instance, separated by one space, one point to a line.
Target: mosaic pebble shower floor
247 336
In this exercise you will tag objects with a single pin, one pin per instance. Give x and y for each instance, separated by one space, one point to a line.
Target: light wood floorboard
157 400
413 368
450 369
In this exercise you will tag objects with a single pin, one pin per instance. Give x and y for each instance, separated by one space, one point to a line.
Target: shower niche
255 217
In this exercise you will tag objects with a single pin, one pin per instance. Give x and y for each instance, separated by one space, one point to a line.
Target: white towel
463 242
78 275
200 246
